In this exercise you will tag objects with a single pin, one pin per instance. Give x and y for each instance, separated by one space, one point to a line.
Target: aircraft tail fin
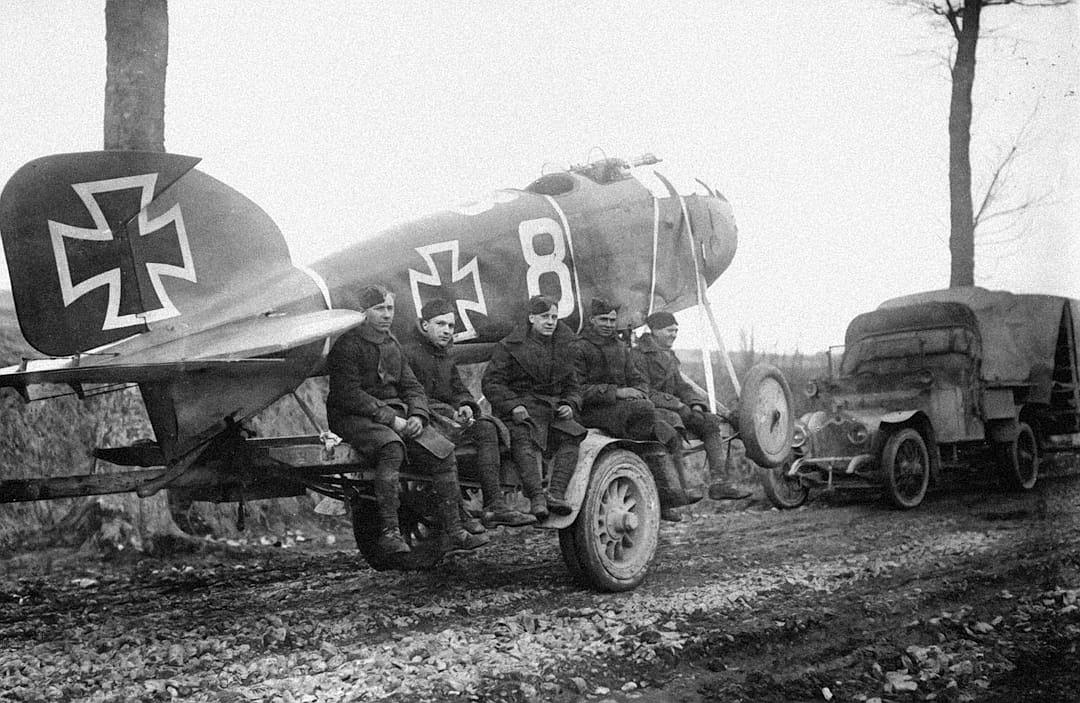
103 246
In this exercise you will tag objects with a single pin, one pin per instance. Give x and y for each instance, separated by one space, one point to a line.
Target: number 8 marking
553 263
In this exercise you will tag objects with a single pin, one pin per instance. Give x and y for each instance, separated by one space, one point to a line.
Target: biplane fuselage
136 268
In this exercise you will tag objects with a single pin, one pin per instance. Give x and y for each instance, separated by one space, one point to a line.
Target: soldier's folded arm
461 393
592 393
347 383
635 377
572 394
503 399
412 392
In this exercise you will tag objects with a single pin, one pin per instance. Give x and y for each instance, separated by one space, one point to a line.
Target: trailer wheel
782 491
419 527
906 464
615 533
1018 460
766 423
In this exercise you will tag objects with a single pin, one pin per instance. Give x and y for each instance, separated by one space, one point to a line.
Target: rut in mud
973 596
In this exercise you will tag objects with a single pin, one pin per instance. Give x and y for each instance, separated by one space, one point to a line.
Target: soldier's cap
539 304
602 306
434 308
660 320
372 295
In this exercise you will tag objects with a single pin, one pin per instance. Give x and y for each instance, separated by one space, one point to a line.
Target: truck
957 380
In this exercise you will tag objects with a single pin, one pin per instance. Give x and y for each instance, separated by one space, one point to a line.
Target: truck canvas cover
1020 332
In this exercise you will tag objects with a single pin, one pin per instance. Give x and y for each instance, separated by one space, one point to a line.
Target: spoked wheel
419 527
906 464
614 537
766 423
1018 460
783 491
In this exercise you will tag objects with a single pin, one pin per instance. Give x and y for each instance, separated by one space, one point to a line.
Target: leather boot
489 466
538 507
497 512
722 487
563 464
387 501
446 486
470 524
694 491
527 459
502 515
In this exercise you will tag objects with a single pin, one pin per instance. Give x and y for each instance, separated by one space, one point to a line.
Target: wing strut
703 300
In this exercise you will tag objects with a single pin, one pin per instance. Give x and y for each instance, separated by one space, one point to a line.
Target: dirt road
973 596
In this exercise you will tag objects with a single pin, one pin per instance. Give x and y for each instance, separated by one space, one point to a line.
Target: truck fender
895 417
590 448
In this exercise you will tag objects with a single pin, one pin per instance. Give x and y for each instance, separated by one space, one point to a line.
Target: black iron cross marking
461 284
126 256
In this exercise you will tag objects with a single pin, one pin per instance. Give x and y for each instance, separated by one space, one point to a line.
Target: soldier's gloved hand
398 424
464 415
698 407
413 426
565 412
385 415
519 414
629 394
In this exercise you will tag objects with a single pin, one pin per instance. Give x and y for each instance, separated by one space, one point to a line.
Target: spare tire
766 421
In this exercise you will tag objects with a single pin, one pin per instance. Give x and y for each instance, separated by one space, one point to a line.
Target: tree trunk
962 220
137 51
137 45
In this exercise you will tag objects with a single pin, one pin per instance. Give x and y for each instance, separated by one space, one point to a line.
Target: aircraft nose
718 237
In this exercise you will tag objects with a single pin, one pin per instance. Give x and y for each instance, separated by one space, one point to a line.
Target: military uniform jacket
667 387
436 371
528 369
369 372
603 364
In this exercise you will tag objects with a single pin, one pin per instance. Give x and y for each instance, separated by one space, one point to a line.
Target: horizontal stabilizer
235 349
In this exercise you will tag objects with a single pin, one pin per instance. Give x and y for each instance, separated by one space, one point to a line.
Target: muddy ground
975 596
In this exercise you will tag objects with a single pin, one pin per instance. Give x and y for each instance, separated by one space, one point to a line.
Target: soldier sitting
454 411
615 392
532 386
684 407
376 404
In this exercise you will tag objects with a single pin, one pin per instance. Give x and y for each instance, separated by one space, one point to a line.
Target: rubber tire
1018 460
766 421
419 528
571 555
617 477
784 493
906 439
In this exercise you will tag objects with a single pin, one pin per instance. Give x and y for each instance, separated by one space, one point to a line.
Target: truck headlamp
858 434
798 435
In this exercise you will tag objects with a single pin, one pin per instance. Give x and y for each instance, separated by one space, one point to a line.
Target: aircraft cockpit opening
552 184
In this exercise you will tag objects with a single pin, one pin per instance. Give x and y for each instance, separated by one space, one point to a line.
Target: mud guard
590 448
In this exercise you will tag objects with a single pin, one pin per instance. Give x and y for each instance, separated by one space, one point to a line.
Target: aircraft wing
233 349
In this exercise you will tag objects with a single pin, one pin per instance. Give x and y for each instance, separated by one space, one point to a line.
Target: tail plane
134 267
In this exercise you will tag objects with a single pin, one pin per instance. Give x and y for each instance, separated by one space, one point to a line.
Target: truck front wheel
906 464
785 492
612 542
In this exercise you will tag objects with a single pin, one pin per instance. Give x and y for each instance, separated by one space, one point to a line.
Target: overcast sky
823 122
